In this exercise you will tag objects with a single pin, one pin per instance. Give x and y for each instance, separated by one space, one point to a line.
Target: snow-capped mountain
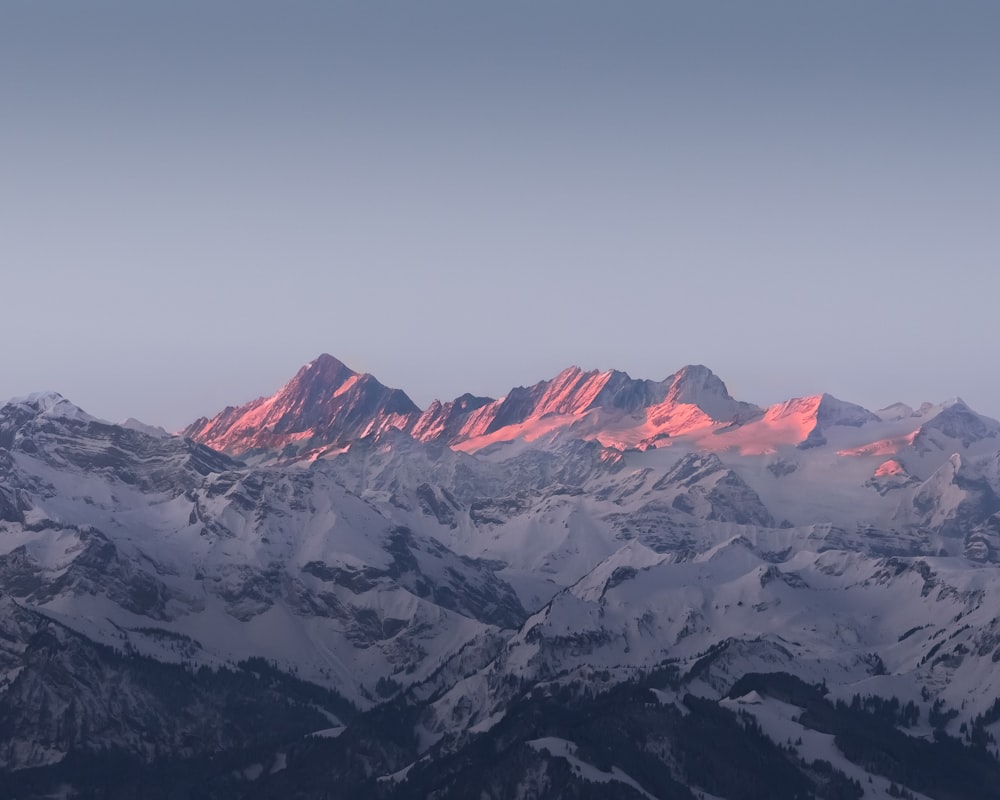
413 586
326 403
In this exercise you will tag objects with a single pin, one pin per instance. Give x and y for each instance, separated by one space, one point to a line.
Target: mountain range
327 406
330 592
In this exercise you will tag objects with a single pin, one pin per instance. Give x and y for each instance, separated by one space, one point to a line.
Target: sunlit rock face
325 404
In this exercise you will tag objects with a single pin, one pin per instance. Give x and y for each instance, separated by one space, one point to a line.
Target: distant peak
957 421
697 385
693 380
325 403
134 424
694 372
325 360
468 401
955 407
51 404
896 411
325 364
830 410
40 400
319 376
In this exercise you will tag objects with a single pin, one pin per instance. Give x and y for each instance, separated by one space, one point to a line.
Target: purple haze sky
198 197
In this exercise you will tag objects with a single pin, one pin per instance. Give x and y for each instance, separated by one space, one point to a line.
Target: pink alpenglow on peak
325 404
698 386
808 418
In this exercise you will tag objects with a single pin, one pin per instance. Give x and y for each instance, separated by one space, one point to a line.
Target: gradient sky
198 197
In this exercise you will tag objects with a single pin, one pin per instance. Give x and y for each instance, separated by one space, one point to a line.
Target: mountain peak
324 359
696 385
325 364
325 404
51 404
833 411
695 372
694 382
957 421
808 419
316 380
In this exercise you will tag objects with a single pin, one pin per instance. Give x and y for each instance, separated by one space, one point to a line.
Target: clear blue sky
198 197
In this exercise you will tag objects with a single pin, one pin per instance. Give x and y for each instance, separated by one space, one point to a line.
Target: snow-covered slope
925 629
132 538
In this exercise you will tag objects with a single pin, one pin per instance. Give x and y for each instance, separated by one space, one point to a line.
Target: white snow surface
565 749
